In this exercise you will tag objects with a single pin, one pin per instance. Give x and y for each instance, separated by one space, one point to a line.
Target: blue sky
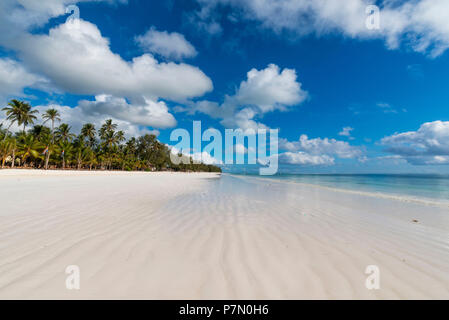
315 70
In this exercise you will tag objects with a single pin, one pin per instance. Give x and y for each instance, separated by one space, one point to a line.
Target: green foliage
44 147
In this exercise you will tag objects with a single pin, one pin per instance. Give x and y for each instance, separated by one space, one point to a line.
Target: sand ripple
193 236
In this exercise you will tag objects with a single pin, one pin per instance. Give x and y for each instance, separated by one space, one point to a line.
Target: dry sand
199 236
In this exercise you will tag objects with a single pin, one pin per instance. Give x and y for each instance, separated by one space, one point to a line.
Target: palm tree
88 132
52 115
46 139
65 137
12 114
89 157
27 115
120 136
14 149
29 147
39 131
66 148
143 153
63 133
79 150
110 138
108 126
109 142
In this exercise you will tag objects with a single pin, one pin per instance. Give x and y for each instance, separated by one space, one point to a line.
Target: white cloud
203 157
317 151
169 45
133 119
263 91
270 89
240 149
422 24
150 113
77 117
302 158
79 60
318 146
346 132
76 58
428 145
14 78
243 119
18 16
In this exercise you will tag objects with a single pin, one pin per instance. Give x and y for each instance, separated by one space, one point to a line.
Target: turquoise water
421 186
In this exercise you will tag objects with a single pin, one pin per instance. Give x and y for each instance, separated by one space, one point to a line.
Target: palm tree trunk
63 163
24 158
7 130
47 158
52 132
13 158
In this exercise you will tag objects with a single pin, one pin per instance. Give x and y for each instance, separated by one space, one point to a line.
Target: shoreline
94 170
398 197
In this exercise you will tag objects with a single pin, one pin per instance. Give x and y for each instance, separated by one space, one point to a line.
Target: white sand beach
206 236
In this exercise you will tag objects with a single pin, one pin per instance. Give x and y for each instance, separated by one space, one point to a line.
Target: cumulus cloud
149 113
422 24
14 78
271 89
79 60
244 119
263 91
342 149
304 159
317 151
203 157
133 118
429 145
78 116
169 45
17 17
76 58
240 148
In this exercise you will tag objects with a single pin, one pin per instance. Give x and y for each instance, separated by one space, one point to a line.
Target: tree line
51 146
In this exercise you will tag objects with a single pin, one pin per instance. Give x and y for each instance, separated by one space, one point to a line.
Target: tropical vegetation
54 145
